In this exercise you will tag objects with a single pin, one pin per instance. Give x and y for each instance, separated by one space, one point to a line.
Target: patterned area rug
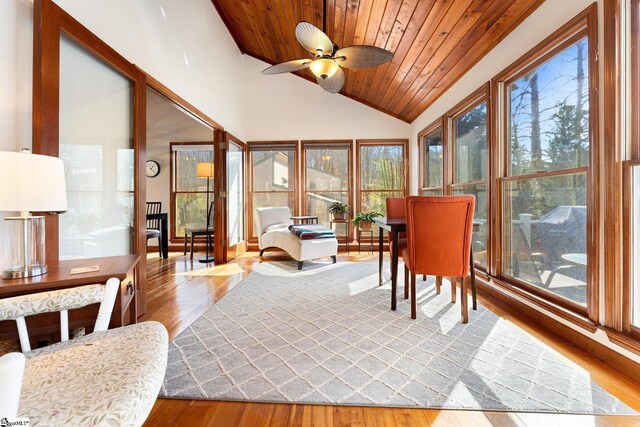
326 335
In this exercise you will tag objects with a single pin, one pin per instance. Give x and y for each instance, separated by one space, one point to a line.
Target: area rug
326 335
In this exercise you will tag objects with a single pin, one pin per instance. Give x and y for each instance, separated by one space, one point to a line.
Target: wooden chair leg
424 277
473 281
185 243
438 284
160 246
453 281
464 306
406 281
414 297
192 239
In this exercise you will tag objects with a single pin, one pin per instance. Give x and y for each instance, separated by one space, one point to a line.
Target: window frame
338 144
581 26
438 124
480 95
173 236
623 303
404 143
250 193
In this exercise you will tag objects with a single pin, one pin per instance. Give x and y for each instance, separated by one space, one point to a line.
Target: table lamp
205 170
29 183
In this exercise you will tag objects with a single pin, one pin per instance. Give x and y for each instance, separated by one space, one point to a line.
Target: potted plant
365 219
338 210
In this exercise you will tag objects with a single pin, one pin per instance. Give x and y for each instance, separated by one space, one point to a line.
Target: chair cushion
152 233
111 377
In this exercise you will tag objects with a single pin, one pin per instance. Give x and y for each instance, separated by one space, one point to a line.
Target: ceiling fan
329 58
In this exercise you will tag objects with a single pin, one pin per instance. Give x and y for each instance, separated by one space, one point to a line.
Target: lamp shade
32 182
204 170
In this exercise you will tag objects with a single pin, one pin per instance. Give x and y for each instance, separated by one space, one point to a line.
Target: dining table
395 226
164 232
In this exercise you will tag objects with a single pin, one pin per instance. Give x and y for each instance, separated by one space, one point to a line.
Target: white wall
182 43
166 124
287 107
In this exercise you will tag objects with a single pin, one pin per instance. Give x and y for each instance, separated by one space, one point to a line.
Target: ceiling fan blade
362 56
313 39
288 67
334 83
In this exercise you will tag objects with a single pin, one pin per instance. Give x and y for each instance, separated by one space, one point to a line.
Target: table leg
394 269
380 256
164 230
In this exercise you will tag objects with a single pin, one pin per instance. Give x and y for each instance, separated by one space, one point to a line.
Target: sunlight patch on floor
224 270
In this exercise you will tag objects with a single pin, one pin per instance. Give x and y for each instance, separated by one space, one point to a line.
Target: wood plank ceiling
435 42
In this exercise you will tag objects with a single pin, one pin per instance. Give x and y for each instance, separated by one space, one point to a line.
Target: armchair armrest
50 301
62 300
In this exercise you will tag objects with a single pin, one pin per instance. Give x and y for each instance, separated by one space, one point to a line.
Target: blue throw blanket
312 231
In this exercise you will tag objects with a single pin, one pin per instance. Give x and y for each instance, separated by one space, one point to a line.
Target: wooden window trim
173 237
583 25
338 144
296 148
404 143
438 124
477 97
628 282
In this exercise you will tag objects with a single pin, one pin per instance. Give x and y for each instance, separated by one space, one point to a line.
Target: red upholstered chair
439 243
396 209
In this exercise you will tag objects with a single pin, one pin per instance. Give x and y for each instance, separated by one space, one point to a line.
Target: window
273 176
545 187
326 178
469 146
382 173
431 160
634 178
188 192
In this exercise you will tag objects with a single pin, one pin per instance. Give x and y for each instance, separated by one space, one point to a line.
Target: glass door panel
235 200
96 144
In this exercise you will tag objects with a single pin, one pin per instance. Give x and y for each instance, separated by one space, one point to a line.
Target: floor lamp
205 170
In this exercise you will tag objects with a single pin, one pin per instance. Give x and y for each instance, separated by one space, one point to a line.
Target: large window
431 160
327 176
633 176
545 187
273 177
188 191
382 167
469 144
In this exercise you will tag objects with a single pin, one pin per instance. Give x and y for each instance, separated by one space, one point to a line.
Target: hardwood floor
180 291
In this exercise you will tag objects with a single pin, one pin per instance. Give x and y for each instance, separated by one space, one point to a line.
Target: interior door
235 191
89 108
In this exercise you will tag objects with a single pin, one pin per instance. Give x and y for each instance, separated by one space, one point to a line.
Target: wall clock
152 169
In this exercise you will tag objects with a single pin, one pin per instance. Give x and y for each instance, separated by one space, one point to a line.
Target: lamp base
205 259
24 246
23 273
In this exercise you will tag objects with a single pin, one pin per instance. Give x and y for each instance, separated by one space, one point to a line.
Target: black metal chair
153 225
201 231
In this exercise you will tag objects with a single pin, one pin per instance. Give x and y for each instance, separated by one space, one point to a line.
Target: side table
368 231
347 227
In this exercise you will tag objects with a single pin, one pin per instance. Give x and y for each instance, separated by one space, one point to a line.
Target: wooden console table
59 277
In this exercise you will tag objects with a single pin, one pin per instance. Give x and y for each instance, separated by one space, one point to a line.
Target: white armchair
109 377
272 225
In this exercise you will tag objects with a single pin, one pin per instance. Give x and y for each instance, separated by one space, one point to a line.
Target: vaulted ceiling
434 41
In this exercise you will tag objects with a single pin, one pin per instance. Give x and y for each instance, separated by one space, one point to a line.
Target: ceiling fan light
324 67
